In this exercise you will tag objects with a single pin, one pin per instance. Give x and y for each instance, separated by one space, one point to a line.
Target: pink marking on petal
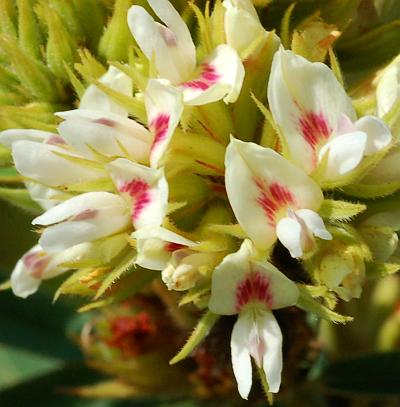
36 263
273 198
171 246
55 139
85 215
208 77
105 122
159 127
139 191
314 128
168 35
255 287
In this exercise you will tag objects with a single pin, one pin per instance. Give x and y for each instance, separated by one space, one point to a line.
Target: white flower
37 265
241 285
241 13
155 245
220 75
144 189
271 198
317 118
83 218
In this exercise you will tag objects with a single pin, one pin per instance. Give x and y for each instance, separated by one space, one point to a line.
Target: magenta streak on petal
105 122
55 139
36 263
314 128
138 190
85 215
255 287
272 198
208 77
171 246
159 127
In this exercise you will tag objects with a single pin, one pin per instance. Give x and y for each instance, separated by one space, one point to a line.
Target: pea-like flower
317 119
219 76
252 289
272 199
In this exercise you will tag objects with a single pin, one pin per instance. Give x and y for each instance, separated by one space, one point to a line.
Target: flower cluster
206 164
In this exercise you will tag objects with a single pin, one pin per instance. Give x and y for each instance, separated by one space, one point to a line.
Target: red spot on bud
272 198
138 190
255 287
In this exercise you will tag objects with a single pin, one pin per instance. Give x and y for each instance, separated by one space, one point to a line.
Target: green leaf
201 330
33 75
21 199
194 295
232 230
309 304
60 46
335 66
285 26
371 191
124 266
36 325
28 30
374 374
124 289
115 42
379 270
340 210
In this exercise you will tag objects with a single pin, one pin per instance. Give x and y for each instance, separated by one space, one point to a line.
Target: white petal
314 223
387 169
164 107
87 217
146 190
171 46
241 13
241 361
119 123
45 197
378 133
260 185
23 283
226 278
151 254
221 77
103 136
183 271
272 338
163 234
7 137
306 101
290 234
167 13
388 89
39 162
154 246
95 99
239 279
345 153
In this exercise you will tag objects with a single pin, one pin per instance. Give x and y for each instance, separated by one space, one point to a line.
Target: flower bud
342 271
186 268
